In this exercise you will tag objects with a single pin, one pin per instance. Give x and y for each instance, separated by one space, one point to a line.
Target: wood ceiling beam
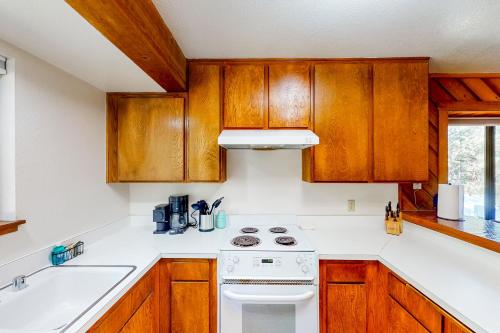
138 30
470 106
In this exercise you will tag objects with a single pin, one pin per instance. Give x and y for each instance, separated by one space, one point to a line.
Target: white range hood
267 139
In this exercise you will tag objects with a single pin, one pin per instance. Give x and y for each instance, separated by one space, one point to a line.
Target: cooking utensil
215 204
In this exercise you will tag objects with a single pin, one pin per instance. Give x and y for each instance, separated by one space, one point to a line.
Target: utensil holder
394 226
207 223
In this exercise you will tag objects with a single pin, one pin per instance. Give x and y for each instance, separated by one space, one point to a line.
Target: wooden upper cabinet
342 120
289 95
206 160
150 143
244 96
400 121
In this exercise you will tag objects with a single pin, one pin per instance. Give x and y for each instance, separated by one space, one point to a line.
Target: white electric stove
268 277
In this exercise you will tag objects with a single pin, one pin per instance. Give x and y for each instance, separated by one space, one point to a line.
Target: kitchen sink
57 296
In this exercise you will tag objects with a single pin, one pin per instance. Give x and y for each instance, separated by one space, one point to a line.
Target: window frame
489 160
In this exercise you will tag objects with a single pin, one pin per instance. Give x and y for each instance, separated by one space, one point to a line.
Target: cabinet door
150 139
189 307
342 120
419 306
401 321
136 311
188 296
206 161
451 325
143 319
244 94
346 308
400 121
289 96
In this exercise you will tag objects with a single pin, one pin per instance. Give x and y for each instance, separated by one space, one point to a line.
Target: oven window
278 318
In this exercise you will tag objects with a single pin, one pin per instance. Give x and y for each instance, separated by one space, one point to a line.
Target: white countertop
462 278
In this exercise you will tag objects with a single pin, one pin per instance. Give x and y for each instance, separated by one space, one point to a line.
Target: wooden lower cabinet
401 321
188 301
365 296
145 318
451 325
348 292
347 307
136 311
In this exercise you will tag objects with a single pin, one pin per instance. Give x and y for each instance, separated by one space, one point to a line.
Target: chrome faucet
19 282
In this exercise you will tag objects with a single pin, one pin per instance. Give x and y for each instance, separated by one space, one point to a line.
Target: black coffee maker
178 207
172 217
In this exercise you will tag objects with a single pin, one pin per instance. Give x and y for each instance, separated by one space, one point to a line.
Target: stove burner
245 241
285 240
249 230
278 230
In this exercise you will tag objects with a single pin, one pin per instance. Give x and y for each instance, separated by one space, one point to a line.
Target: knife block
394 226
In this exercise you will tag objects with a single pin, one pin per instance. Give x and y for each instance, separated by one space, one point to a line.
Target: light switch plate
351 205
417 186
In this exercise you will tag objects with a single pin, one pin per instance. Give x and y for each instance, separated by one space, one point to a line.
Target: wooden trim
443 147
472 106
223 61
429 220
213 299
138 30
7 227
464 75
111 138
474 114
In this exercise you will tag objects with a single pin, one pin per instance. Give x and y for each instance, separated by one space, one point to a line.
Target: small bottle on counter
221 220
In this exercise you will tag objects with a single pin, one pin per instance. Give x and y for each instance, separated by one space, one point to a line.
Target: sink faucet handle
19 282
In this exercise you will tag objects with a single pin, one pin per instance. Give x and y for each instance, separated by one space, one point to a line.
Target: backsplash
269 182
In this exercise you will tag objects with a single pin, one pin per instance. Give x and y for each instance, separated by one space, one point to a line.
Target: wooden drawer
419 306
400 321
190 270
346 272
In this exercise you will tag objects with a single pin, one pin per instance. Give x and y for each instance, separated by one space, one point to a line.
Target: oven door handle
268 298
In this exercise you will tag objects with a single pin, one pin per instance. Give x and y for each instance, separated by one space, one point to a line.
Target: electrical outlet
351 205
417 186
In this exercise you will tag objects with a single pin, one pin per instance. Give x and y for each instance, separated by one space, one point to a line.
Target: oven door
247 308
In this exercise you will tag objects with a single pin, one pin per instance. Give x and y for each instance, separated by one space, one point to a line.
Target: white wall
59 157
269 182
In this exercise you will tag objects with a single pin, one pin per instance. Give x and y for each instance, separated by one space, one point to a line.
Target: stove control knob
305 268
230 268
299 260
236 260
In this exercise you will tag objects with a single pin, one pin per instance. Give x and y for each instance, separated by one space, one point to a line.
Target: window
7 140
3 65
472 161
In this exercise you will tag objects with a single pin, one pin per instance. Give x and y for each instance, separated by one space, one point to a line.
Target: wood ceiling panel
481 89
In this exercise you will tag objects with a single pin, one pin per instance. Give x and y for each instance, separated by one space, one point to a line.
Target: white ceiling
54 32
459 35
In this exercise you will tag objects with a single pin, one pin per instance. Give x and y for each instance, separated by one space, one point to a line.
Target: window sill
6 227
479 232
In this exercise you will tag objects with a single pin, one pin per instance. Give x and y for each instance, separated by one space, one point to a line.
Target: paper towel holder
450 202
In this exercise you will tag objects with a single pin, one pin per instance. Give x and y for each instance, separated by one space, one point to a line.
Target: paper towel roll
451 202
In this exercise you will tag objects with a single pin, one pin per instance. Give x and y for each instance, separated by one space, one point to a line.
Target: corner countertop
461 278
